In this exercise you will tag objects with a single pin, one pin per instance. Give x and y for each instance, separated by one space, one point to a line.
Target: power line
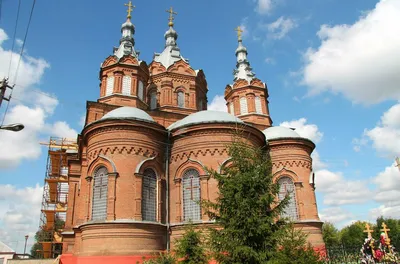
13 43
20 55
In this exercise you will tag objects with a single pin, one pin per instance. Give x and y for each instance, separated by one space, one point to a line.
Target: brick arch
226 163
149 163
180 88
190 164
284 172
101 160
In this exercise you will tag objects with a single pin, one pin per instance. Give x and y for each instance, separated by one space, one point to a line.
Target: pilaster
112 184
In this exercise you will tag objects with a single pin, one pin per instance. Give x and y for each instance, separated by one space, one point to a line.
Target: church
139 171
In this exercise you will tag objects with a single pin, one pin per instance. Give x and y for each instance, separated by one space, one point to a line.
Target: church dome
127 112
204 117
280 132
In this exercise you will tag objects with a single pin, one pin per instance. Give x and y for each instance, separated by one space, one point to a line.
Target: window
149 195
110 85
140 90
191 195
126 85
231 108
286 186
153 100
181 99
258 105
100 188
243 105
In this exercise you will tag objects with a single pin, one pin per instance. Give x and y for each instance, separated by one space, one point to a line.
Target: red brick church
140 168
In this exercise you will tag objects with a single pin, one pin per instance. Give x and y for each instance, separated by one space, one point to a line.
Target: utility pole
3 87
398 162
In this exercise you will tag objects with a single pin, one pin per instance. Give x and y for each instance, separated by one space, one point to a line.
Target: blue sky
332 68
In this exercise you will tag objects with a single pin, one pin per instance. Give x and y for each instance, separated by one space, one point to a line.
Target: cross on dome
171 16
130 9
239 33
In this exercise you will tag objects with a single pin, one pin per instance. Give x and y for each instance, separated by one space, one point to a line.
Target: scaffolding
55 196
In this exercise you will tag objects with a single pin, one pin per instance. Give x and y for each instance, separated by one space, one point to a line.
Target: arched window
258 105
110 85
153 100
286 186
243 106
100 189
181 99
191 195
231 109
140 90
126 85
149 195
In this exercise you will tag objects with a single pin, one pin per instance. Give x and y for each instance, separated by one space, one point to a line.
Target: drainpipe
167 188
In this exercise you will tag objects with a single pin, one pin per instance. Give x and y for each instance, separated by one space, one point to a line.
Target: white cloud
82 120
270 60
385 137
309 131
62 129
337 190
264 6
218 103
335 215
18 146
317 163
19 214
244 27
360 61
281 27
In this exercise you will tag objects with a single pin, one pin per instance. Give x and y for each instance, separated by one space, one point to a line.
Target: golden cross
130 9
385 229
171 16
368 230
239 32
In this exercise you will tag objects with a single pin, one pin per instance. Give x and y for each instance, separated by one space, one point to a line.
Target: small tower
175 86
247 97
123 76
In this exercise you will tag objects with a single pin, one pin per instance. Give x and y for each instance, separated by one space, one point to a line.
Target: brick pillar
71 204
299 199
204 192
178 205
118 82
103 85
251 104
88 196
159 200
112 184
138 196
236 105
133 86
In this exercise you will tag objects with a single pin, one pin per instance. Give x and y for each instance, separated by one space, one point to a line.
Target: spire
127 42
171 53
243 69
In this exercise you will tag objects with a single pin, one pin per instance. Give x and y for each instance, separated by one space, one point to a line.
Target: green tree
330 234
353 235
163 258
294 248
190 249
45 236
246 208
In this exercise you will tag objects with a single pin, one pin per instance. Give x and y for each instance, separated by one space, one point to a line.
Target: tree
246 209
353 235
190 247
163 258
45 236
330 235
294 248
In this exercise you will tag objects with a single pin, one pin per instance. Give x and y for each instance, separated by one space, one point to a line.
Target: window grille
153 100
231 108
110 85
149 195
100 189
258 105
140 90
243 105
181 99
286 186
126 85
191 195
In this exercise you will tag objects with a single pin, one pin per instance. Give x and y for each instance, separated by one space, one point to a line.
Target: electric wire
20 58
15 33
